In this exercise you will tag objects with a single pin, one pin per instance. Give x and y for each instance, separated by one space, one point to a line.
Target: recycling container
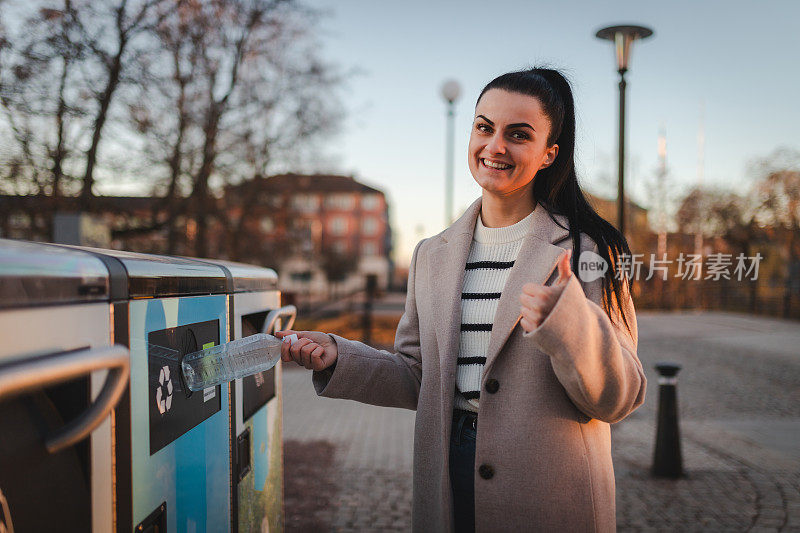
173 447
254 305
92 343
60 378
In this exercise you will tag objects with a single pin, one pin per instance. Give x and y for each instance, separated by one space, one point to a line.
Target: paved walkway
739 403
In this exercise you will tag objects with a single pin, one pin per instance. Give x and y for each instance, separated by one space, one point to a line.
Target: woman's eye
520 135
483 127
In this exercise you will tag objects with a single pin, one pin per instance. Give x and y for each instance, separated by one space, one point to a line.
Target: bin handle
22 376
273 316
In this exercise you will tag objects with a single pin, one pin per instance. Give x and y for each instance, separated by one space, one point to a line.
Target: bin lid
37 274
156 276
248 278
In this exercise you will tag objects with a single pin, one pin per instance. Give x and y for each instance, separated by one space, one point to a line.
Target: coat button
486 471
492 385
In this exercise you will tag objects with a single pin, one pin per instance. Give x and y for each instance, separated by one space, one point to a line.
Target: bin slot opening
243 454
257 389
253 323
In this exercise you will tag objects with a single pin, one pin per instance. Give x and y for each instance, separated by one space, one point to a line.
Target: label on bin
174 411
209 392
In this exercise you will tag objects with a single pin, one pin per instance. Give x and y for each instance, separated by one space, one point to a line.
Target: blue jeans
462 472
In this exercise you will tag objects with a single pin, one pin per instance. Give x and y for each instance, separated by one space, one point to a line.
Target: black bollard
667 461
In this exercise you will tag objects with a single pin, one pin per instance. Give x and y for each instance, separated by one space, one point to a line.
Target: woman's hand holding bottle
313 350
538 300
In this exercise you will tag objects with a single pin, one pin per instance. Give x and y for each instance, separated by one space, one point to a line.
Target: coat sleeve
379 377
594 358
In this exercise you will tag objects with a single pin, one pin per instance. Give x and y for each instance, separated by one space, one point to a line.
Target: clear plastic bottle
235 359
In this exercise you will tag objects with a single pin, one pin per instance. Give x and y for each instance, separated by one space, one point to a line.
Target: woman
515 366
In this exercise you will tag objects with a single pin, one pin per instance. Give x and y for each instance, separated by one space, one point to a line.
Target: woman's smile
495 164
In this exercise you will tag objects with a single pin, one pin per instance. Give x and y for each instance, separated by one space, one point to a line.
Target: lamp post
451 90
622 37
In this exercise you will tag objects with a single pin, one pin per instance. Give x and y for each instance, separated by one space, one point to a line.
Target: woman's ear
550 156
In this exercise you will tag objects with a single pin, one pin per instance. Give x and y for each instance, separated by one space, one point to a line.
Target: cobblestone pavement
739 406
372 459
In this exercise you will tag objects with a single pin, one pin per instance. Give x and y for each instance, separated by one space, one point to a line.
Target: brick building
310 228
317 228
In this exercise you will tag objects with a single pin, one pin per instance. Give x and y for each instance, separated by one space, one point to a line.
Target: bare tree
109 31
59 80
162 110
733 217
196 95
722 214
690 215
245 93
39 104
779 193
233 60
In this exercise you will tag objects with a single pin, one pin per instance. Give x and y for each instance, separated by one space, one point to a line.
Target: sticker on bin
164 375
236 359
164 391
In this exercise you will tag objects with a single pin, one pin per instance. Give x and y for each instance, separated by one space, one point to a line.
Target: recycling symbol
164 391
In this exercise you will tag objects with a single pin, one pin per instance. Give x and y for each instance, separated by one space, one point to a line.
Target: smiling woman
535 111
507 147
498 334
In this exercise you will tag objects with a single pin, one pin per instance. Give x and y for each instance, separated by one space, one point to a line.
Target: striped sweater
491 256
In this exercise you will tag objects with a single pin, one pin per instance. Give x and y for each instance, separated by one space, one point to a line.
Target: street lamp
622 37
451 90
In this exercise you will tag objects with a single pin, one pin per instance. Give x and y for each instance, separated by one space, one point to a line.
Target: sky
733 63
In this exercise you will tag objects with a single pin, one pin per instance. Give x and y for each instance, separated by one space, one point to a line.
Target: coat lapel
446 262
535 263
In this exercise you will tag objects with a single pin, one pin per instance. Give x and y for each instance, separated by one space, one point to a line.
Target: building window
369 226
369 249
270 199
342 202
370 202
305 203
339 247
19 220
303 276
338 225
267 225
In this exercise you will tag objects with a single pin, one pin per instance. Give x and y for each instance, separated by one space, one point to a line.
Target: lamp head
622 37
451 90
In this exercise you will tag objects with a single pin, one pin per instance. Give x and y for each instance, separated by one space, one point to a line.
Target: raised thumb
564 269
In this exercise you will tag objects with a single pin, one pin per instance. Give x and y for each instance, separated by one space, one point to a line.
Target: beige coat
545 431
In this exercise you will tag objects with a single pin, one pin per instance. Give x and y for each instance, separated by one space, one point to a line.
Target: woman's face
508 143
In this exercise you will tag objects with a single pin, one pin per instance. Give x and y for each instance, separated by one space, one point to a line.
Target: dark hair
556 186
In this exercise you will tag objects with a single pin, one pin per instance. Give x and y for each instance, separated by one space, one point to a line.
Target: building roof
600 202
312 183
99 203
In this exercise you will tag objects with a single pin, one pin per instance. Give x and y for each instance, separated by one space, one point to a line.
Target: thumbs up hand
538 300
